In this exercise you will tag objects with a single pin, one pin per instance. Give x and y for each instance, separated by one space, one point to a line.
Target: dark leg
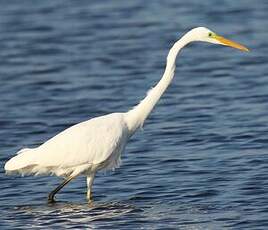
53 193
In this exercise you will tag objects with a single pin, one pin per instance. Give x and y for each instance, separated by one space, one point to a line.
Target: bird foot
51 199
89 201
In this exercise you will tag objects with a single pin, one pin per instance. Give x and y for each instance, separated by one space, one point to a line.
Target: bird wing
89 142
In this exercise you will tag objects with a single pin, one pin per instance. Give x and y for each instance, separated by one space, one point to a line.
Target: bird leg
53 193
90 179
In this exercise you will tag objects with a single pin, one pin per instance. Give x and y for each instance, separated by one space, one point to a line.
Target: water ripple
201 160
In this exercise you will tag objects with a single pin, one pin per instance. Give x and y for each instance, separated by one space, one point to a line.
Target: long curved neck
136 116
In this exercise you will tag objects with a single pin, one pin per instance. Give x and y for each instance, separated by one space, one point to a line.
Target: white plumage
76 149
97 144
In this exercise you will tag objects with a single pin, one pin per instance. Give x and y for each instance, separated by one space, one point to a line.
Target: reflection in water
60 214
102 214
80 213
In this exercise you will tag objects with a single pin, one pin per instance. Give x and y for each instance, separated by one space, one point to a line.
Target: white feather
98 141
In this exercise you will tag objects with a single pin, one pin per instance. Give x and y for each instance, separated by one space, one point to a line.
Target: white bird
98 143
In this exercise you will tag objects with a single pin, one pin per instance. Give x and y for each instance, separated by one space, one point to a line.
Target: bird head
206 35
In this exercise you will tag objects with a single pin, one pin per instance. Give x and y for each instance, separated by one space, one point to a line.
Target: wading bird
97 144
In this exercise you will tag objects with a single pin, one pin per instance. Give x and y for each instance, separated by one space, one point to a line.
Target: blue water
201 161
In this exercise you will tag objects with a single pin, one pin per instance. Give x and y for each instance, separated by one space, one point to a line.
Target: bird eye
210 34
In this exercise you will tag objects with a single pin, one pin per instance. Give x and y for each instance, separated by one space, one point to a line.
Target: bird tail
22 163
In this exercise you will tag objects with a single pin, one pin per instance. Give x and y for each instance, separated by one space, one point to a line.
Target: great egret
97 144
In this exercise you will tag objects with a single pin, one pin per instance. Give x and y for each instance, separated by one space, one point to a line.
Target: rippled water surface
201 161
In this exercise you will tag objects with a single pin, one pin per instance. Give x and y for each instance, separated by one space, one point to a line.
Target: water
201 161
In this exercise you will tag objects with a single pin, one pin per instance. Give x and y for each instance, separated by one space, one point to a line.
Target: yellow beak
230 43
